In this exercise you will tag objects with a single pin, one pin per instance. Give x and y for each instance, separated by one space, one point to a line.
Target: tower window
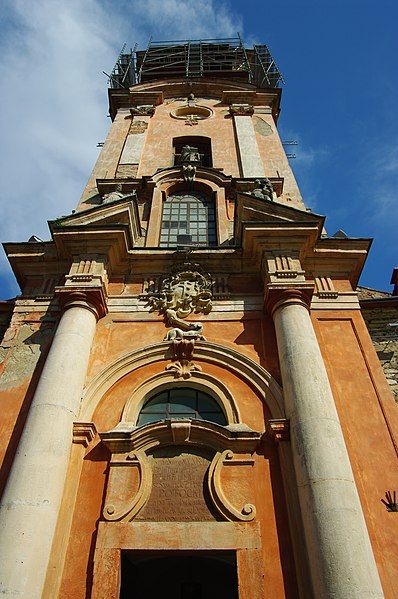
203 144
188 219
182 403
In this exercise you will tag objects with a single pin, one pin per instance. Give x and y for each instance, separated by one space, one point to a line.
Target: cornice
224 90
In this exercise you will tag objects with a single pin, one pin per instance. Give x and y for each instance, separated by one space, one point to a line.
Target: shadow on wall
23 361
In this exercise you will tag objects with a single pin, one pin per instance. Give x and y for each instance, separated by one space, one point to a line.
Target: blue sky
340 103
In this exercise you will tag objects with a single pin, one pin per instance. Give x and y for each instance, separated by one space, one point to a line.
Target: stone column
341 559
32 497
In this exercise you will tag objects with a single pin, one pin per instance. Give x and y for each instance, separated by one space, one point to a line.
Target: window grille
182 403
188 219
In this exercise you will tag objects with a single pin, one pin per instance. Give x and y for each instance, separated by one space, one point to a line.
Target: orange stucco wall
369 418
368 415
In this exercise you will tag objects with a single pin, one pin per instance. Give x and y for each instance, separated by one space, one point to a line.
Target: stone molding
79 296
126 437
248 511
250 372
241 109
84 433
284 265
85 285
143 110
278 297
325 288
285 281
114 537
130 445
277 429
199 380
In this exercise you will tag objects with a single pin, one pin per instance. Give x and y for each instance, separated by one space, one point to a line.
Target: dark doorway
179 575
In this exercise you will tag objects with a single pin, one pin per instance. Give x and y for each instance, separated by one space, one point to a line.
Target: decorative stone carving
137 127
191 119
241 109
285 279
187 290
225 508
284 265
143 110
134 472
183 368
324 288
189 160
117 194
264 189
182 346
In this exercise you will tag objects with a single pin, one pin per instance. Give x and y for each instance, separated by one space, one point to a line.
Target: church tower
191 404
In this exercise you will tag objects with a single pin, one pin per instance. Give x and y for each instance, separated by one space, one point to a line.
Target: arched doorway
179 575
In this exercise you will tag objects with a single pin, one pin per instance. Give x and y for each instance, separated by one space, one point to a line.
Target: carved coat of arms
185 291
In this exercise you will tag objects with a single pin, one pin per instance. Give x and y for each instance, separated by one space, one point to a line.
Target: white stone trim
249 371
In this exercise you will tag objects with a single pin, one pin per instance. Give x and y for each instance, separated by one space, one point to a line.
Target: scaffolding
123 73
191 59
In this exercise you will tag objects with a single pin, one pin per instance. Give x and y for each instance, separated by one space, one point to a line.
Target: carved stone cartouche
187 290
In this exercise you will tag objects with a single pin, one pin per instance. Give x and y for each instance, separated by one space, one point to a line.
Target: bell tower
202 413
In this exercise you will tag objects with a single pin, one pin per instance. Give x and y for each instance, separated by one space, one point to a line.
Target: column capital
89 298
277 297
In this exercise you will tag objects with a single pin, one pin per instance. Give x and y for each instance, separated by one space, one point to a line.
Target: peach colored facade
276 489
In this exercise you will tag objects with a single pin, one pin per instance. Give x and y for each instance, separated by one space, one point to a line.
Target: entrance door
178 575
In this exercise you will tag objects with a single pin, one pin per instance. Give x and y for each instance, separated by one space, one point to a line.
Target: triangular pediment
122 211
251 209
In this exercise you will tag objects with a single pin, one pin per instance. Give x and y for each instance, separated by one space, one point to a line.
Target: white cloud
191 19
379 183
54 100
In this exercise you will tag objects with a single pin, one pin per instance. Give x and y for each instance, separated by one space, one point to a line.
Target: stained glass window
182 403
188 219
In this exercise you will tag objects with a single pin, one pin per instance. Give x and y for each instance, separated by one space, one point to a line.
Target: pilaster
250 158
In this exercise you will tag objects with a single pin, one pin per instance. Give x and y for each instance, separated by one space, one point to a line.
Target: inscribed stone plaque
179 488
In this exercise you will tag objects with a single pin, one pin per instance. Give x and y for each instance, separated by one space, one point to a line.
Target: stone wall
380 312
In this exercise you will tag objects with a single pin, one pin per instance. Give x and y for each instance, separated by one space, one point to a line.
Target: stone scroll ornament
187 290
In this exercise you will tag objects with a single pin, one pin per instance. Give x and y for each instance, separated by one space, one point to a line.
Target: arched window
188 219
182 403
